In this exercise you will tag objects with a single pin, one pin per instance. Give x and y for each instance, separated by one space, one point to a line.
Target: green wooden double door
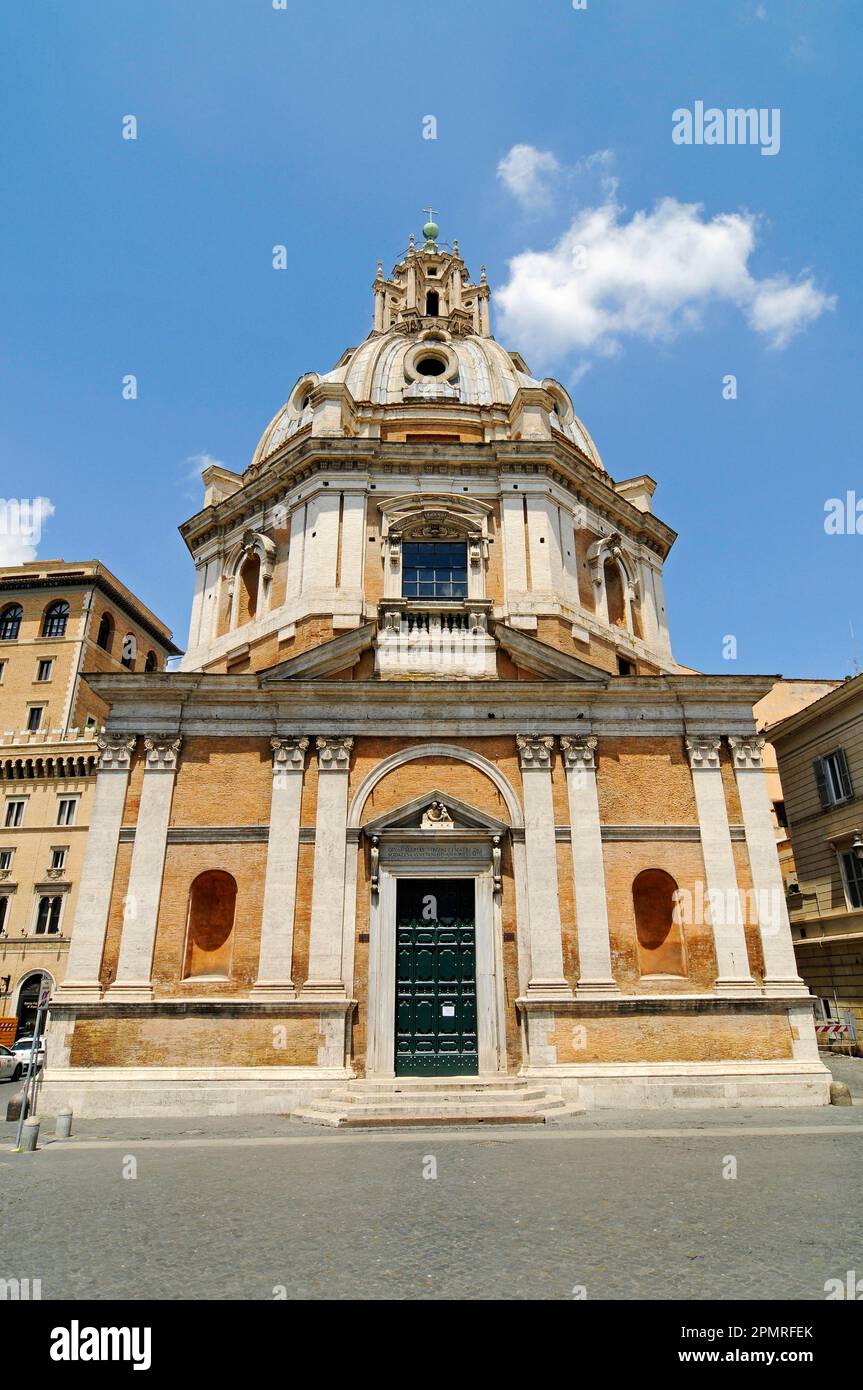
435 978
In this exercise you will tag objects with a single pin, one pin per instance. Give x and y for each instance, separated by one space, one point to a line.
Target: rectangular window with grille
434 569
852 872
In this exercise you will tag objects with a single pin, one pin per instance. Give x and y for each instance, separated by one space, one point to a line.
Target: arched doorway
28 1001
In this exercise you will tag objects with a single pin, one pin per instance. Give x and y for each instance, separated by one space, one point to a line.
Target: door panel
435 978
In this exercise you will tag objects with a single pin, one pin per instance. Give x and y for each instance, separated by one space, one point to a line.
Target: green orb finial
431 229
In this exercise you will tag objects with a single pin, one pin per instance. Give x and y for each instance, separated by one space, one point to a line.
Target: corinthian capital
703 750
115 751
334 754
534 750
162 753
289 754
579 750
748 750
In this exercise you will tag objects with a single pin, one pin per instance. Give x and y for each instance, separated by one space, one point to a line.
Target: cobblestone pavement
232 1210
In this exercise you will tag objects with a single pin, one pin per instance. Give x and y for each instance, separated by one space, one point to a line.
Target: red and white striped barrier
832 1031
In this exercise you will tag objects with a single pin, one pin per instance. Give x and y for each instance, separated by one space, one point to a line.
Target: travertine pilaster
588 870
723 894
94 895
546 940
280 885
780 966
134 968
325 941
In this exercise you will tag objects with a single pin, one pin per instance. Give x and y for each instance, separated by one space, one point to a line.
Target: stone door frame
450 862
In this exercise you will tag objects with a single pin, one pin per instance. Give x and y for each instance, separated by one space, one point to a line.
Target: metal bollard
63 1125
29 1135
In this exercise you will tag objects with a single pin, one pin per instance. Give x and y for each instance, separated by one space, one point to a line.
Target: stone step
412 1116
416 1101
443 1083
442 1104
424 1094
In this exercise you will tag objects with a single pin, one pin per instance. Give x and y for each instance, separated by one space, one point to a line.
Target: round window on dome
431 366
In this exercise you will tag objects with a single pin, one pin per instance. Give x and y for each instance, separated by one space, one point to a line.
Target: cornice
97 580
227 706
302 459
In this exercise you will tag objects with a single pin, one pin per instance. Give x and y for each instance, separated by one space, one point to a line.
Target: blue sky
304 126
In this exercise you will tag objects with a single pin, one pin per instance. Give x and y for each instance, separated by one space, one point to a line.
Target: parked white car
22 1047
10 1066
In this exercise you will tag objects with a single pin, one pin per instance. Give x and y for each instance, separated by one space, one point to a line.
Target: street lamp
857 847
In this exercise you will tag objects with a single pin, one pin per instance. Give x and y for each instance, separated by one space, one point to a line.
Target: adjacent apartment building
58 620
820 758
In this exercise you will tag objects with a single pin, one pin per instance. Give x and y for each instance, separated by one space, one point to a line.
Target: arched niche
210 930
661 948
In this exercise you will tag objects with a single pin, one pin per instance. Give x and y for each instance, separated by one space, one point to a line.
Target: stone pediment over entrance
423 816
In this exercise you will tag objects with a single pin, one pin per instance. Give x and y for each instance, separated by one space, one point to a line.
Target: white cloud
780 308
526 172
21 521
650 277
195 464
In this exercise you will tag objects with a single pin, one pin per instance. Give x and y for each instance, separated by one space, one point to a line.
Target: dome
392 369
431 343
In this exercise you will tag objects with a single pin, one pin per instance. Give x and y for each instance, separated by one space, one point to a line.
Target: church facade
429 797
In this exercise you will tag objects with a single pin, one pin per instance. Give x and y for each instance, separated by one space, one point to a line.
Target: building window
833 778
10 622
212 906
14 812
852 873
58 858
2 671
6 860
34 718
56 618
106 632
434 569
781 814
48 915
4 912
130 652
432 303
625 667
67 810
44 669
660 942
151 663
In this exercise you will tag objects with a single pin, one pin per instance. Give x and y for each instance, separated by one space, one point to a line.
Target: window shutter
844 773
821 783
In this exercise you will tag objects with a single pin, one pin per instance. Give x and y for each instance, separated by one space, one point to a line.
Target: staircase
415 1102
